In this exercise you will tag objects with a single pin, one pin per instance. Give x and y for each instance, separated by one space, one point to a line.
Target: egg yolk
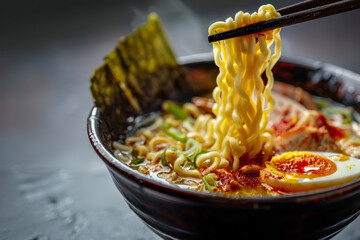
303 164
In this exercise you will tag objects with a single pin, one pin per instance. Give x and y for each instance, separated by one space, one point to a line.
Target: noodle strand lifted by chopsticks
243 102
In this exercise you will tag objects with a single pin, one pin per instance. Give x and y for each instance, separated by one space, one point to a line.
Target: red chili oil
308 164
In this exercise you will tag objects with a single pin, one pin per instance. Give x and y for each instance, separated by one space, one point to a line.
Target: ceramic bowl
175 213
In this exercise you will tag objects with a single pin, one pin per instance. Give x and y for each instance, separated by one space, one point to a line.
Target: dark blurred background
52 184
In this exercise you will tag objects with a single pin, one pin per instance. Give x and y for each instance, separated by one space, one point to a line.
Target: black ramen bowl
175 213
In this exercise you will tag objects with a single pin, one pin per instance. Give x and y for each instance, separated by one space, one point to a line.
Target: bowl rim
113 164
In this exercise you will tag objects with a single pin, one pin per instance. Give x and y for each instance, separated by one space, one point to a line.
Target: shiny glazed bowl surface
175 213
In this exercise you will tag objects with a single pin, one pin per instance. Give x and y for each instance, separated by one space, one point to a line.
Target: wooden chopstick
294 14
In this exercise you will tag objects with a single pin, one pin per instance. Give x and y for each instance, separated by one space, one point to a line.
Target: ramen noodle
243 102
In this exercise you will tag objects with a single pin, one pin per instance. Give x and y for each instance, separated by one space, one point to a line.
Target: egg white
347 171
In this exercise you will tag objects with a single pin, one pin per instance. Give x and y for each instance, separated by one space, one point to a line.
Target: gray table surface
52 184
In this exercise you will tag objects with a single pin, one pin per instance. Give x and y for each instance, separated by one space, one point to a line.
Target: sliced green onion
345 112
177 111
137 161
134 153
174 132
163 156
209 182
347 121
192 147
134 164
322 103
188 124
191 143
197 155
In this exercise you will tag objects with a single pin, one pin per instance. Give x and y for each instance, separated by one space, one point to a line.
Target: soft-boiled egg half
305 171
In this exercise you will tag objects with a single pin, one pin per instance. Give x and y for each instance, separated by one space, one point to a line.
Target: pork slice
351 146
306 138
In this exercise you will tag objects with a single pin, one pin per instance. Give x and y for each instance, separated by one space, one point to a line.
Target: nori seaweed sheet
137 76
